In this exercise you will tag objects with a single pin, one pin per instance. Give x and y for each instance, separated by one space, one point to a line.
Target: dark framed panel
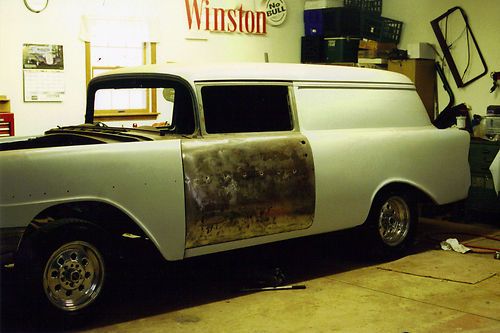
459 46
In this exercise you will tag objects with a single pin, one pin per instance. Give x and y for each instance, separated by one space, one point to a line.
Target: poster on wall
43 73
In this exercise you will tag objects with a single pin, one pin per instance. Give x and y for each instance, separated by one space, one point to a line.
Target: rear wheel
392 222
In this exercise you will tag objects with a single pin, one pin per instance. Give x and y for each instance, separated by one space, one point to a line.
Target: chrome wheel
73 276
394 221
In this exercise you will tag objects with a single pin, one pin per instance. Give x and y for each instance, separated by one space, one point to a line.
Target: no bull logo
276 12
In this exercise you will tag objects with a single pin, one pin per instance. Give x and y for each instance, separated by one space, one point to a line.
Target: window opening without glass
174 101
246 108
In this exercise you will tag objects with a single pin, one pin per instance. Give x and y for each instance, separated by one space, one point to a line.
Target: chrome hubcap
73 276
394 221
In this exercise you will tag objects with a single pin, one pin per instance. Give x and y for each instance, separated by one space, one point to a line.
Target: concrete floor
428 291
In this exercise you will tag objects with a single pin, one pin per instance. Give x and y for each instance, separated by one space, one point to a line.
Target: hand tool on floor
294 287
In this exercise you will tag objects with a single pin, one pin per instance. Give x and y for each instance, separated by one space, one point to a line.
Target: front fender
142 179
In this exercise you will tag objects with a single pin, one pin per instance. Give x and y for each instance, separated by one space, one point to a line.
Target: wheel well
126 240
420 196
101 214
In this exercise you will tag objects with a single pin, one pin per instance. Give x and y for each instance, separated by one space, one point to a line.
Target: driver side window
246 108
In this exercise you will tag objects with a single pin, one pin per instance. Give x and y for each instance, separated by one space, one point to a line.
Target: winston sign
201 15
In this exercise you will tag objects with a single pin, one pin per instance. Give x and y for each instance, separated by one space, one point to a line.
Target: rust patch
244 187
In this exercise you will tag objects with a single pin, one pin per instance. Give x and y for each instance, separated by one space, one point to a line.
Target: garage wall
60 24
484 22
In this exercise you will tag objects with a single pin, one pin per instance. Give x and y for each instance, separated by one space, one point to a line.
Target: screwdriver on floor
300 286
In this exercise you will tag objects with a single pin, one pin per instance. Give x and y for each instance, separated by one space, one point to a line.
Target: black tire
63 266
392 223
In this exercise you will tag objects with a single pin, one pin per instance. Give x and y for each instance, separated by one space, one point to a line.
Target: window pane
117 56
121 99
253 108
137 98
103 100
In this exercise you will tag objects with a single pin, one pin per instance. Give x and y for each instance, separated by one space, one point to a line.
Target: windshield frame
143 80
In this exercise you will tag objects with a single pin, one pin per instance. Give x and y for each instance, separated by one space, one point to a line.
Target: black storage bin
318 49
341 49
333 22
381 29
371 7
312 49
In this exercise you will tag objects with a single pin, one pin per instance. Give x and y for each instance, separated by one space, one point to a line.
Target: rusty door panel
244 187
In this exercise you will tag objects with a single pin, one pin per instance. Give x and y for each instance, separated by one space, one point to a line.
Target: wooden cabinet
423 74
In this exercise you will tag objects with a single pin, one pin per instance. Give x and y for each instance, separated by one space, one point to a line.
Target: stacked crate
333 34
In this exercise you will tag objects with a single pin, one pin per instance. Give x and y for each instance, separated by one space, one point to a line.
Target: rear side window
246 108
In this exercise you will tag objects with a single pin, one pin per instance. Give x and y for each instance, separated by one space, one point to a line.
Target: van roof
268 71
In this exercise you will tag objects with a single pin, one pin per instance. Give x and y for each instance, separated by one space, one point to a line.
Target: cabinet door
481 155
482 194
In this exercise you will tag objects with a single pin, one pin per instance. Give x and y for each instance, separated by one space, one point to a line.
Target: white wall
60 24
484 22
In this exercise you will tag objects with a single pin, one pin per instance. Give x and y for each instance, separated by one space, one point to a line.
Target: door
252 172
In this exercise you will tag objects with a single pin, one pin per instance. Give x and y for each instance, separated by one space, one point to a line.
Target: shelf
4 104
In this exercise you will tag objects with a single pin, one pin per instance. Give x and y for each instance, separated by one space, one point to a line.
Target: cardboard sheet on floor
446 265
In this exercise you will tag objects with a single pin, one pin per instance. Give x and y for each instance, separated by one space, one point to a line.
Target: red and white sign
201 15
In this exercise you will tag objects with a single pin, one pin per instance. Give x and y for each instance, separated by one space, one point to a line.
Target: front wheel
392 221
74 275
64 268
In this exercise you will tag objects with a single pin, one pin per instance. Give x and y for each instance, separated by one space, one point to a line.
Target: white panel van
248 154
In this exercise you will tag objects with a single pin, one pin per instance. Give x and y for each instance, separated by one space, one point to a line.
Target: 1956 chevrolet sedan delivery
252 154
